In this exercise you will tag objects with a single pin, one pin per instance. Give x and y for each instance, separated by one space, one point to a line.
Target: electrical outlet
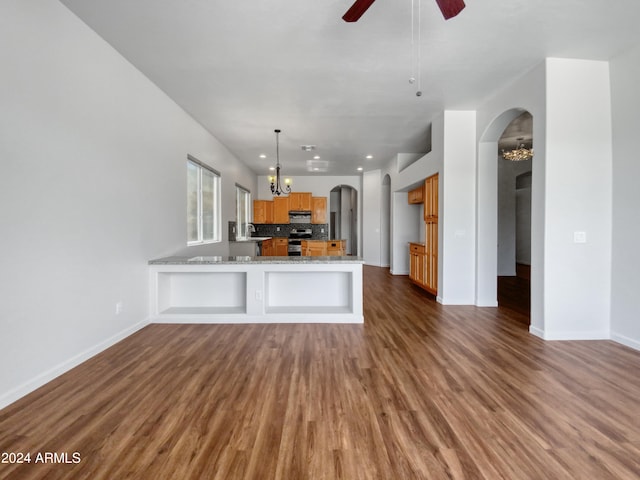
322 230
277 229
119 308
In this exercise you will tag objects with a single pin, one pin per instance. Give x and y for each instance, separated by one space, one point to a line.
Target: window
203 203
243 212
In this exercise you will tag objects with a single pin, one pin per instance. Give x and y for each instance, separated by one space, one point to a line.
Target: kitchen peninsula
245 289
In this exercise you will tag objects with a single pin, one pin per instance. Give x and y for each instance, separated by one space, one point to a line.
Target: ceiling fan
449 8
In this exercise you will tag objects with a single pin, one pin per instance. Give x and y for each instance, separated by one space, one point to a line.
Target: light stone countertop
230 260
252 239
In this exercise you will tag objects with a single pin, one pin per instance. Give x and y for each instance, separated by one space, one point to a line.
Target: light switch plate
579 237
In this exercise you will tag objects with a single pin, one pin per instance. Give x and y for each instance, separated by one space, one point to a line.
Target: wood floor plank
419 391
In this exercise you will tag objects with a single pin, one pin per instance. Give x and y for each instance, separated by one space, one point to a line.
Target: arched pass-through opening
487 208
514 159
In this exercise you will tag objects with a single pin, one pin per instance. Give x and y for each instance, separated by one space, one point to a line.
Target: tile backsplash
319 231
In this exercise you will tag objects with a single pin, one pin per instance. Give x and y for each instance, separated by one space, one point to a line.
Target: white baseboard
627 341
399 272
577 335
536 331
29 386
486 304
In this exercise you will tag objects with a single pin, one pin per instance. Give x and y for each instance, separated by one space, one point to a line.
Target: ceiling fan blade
357 9
449 8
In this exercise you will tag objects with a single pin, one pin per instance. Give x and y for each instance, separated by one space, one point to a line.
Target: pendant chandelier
518 154
277 187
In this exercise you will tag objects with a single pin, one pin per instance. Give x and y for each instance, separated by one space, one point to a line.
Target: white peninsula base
256 290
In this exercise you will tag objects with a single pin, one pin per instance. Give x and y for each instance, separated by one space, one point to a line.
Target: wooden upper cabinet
262 211
281 210
318 209
416 196
431 198
300 201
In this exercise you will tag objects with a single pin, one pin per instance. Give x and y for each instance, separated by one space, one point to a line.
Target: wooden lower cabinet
423 261
314 248
322 248
280 247
416 263
431 258
335 247
267 248
275 247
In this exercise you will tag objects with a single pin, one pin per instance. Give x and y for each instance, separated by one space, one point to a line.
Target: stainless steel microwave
299 217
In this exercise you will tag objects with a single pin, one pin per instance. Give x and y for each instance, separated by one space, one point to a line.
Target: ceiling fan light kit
357 10
449 9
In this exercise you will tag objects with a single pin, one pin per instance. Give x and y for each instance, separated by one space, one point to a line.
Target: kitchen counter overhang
240 289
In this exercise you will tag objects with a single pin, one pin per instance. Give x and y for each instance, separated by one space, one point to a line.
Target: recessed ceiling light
369 157
272 168
359 169
316 157
262 155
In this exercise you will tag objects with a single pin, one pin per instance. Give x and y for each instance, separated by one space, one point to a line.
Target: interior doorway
343 217
385 223
514 170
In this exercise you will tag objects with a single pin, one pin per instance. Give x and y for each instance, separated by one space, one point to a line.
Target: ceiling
245 68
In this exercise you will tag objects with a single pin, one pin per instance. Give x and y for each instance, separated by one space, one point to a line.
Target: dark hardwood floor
420 391
515 292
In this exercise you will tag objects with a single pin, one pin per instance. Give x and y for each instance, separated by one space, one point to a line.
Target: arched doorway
487 214
514 175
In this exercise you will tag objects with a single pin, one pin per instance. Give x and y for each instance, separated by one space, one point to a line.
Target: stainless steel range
296 235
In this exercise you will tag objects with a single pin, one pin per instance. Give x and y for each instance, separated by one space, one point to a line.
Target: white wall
92 185
456 216
405 227
625 285
371 221
578 199
318 185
